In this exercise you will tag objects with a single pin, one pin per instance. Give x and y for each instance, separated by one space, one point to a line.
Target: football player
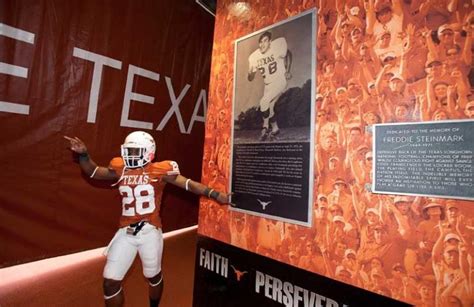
273 60
140 183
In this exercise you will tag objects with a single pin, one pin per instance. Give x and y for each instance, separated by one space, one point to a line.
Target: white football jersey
271 64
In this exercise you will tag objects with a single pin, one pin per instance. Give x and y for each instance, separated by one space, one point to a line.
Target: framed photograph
273 120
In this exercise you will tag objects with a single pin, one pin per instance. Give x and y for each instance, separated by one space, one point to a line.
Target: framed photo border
307 223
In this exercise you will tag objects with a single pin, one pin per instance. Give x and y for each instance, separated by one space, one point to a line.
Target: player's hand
76 144
225 198
288 75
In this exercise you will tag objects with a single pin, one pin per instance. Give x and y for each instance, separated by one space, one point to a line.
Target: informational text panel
430 158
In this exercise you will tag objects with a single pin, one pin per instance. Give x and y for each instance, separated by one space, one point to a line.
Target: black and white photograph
272 130
272 84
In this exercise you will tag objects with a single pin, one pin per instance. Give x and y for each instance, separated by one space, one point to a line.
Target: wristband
214 194
210 192
187 184
84 156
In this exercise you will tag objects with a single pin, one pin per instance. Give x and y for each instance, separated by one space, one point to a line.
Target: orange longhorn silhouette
238 273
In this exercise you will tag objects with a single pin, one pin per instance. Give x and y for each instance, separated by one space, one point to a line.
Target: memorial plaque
430 159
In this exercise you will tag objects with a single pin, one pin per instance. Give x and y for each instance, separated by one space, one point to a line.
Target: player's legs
275 130
156 289
265 128
271 94
264 110
120 256
151 252
113 293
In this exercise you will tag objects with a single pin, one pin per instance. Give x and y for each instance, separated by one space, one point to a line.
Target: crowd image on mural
378 61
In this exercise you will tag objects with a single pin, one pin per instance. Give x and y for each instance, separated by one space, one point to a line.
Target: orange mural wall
377 62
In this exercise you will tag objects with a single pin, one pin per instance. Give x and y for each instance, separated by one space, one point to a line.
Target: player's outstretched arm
88 166
198 188
251 73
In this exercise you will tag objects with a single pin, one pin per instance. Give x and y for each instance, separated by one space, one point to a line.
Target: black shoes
264 134
269 135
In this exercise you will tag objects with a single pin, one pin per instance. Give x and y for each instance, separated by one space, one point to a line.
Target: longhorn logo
238 274
264 204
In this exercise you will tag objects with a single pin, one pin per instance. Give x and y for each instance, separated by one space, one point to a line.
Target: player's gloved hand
225 198
76 145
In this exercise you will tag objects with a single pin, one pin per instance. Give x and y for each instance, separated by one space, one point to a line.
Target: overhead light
239 9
